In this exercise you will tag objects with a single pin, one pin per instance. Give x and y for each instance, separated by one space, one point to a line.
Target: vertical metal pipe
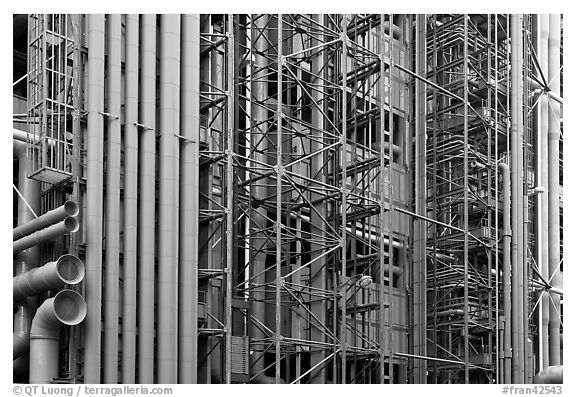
229 270
146 209
465 215
167 329
189 179
554 187
543 27
419 271
112 201
130 202
517 194
525 301
94 197
343 187
317 226
506 270
278 223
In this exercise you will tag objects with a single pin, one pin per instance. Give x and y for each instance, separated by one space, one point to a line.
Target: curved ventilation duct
66 308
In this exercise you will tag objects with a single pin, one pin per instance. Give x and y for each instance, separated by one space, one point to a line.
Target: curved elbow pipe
551 375
68 225
68 269
69 208
66 308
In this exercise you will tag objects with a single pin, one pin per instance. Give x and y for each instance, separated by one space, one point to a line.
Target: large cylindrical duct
506 271
94 197
66 308
550 375
146 208
543 26
189 180
68 225
167 330
130 202
554 187
68 209
516 133
112 199
68 269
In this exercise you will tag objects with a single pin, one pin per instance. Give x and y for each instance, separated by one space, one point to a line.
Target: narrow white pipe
189 180
167 330
68 225
66 308
506 271
516 130
112 199
69 208
146 209
94 197
554 187
68 269
130 202
543 26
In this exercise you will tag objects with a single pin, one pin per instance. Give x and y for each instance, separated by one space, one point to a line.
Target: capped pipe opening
70 269
69 307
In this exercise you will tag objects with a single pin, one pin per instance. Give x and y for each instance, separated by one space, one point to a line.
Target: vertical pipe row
554 184
278 225
189 177
506 236
517 195
130 202
167 329
94 197
146 209
465 215
113 153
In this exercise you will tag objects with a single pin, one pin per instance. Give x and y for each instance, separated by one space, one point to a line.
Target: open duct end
69 307
71 224
71 208
70 269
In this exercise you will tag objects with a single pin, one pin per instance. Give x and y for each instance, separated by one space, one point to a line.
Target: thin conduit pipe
69 208
68 225
506 236
167 330
190 167
517 196
94 197
66 308
543 26
113 153
554 186
130 202
146 209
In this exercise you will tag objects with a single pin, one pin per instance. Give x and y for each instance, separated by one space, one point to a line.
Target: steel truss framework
298 213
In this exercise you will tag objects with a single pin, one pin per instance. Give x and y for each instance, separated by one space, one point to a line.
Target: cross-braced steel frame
296 200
